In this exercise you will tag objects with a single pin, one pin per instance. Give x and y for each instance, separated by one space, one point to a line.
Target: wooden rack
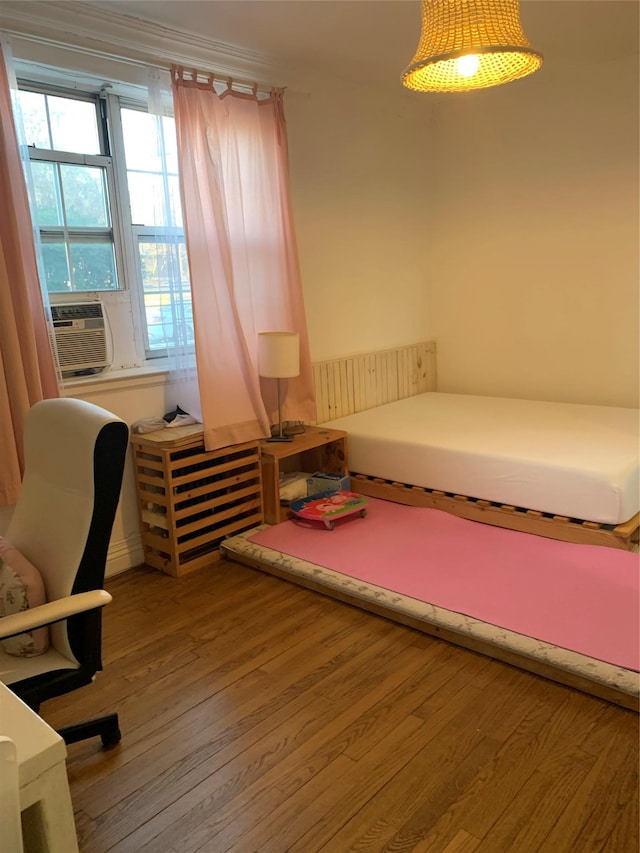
189 498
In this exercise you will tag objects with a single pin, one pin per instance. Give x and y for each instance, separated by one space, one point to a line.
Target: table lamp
279 358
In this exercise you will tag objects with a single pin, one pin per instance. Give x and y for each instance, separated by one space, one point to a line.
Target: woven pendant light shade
470 44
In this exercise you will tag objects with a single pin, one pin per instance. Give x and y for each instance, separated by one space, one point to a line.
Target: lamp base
280 434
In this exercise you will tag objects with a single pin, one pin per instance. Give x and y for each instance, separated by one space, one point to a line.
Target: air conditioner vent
77 311
81 340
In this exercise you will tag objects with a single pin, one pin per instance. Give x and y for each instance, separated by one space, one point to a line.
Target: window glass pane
183 261
158 264
74 125
164 264
170 144
167 326
34 119
93 265
175 202
56 269
85 197
142 148
47 193
167 295
143 142
169 323
152 165
147 196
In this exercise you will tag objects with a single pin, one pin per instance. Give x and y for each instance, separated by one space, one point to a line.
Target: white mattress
560 458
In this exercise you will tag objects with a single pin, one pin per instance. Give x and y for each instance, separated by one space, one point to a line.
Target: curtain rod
143 63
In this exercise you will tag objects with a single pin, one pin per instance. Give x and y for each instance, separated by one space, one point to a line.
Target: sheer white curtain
169 249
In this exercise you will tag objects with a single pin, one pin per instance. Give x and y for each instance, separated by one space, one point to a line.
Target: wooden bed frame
623 536
352 384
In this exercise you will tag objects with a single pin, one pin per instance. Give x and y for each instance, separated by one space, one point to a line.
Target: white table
43 787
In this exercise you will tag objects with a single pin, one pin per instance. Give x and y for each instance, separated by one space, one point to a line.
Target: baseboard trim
124 555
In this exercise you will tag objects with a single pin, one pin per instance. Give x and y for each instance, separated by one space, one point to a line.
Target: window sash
75 234
53 233
100 160
167 307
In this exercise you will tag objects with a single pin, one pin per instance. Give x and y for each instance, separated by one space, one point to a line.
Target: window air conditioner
81 339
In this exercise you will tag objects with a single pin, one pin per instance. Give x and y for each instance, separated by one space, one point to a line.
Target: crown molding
90 29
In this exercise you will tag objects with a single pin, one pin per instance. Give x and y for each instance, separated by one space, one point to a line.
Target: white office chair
74 460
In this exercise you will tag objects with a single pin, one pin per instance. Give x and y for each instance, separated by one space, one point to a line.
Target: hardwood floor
260 716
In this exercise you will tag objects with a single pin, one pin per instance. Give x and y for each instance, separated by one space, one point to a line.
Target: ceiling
373 40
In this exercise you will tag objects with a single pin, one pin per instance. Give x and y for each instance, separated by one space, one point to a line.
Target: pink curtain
242 252
27 372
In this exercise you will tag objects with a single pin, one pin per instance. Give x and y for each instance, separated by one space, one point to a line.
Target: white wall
533 250
359 199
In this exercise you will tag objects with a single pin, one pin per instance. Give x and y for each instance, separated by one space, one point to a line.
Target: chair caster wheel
111 738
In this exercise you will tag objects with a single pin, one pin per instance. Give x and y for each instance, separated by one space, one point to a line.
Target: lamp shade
278 354
470 44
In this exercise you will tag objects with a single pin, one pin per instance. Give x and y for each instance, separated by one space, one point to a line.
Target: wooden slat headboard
358 382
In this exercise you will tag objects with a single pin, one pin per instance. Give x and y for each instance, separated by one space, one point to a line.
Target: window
73 184
152 177
106 201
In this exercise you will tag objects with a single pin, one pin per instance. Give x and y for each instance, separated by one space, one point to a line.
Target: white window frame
103 161
79 233
133 231
125 226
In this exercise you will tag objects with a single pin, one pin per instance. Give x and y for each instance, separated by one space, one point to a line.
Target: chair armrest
52 611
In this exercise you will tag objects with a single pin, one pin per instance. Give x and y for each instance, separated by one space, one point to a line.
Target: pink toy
327 506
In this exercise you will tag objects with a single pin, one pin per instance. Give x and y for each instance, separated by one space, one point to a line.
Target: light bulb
468 65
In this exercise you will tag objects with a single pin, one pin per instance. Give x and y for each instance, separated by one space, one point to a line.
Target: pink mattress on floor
585 598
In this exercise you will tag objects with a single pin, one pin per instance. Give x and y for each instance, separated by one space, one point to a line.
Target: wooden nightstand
316 449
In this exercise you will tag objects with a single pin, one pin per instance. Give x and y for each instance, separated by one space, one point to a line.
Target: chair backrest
74 460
